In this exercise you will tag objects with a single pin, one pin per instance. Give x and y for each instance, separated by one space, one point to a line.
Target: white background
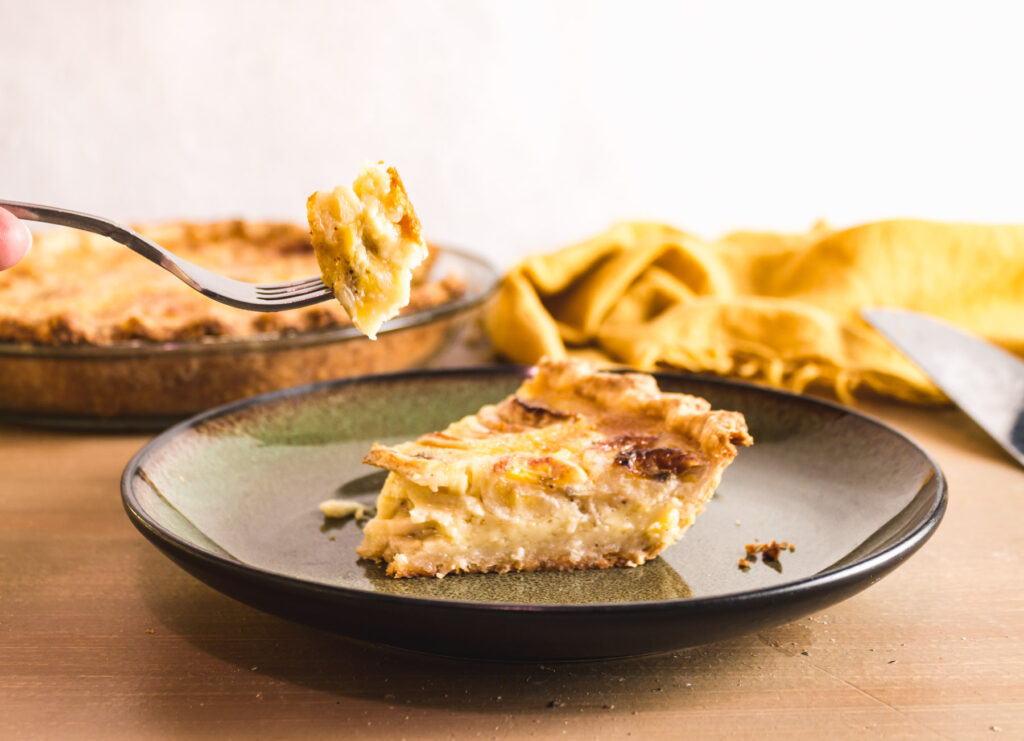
519 126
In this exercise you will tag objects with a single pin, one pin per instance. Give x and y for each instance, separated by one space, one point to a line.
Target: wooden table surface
102 636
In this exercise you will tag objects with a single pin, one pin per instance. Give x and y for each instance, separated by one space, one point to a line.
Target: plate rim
822 581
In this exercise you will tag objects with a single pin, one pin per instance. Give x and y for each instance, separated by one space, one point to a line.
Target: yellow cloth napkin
780 309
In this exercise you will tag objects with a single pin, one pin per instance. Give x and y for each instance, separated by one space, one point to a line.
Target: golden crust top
568 409
638 394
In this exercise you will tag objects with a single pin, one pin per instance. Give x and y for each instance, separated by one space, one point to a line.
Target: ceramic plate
232 496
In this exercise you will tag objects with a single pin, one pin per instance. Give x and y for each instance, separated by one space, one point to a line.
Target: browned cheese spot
658 463
531 414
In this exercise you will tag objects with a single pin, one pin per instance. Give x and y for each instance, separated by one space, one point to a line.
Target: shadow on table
289 654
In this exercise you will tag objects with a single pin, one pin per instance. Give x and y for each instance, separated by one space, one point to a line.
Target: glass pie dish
144 384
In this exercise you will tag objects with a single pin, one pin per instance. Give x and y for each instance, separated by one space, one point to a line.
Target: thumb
15 239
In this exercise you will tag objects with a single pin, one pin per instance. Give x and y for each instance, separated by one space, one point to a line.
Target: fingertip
15 239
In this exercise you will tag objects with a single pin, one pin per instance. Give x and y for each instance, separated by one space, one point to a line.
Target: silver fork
252 296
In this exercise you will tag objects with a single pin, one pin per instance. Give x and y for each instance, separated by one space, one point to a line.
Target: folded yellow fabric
781 309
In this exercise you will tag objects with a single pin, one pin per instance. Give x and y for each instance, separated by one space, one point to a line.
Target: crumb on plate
337 509
769 552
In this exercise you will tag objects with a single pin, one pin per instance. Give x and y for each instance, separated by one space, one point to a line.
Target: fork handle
98 225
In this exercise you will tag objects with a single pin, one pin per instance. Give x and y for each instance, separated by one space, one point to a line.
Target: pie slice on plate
577 469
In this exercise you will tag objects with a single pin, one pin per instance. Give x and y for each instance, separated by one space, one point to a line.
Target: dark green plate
231 495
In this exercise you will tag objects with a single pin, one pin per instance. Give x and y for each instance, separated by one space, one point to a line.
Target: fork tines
292 289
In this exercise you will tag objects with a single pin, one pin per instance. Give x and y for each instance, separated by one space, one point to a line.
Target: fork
252 296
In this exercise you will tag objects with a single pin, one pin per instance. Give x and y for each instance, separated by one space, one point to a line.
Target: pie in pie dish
368 243
91 331
577 469
80 288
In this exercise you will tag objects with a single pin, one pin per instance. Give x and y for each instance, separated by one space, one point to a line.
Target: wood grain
101 636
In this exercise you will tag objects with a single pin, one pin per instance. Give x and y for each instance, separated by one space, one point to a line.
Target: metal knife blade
984 380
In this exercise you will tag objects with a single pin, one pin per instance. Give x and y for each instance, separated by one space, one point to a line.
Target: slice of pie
577 469
368 243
